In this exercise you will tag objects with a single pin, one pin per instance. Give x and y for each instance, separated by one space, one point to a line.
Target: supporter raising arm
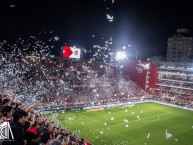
28 109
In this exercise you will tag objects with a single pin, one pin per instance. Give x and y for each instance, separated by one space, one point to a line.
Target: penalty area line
140 119
91 119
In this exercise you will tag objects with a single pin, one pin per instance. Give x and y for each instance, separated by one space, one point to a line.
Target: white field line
140 119
129 121
91 119
152 120
107 113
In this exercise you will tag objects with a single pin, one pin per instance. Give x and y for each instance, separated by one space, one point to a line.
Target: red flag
67 52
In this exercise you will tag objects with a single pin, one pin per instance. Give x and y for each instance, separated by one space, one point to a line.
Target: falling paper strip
138 117
148 134
110 18
56 38
12 6
176 139
125 120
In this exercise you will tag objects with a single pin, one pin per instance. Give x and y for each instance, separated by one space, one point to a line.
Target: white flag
168 135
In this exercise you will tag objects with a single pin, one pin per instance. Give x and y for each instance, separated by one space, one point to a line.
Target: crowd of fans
176 99
175 87
29 127
63 82
176 84
51 82
175 75
68 83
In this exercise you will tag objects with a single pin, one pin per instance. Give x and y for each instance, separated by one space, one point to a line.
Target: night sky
144 25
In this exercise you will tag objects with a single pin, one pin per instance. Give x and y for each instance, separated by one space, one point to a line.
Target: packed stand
173 98
28 127
53 82
63 82
175 87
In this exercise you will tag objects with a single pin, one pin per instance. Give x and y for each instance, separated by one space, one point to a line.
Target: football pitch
141 124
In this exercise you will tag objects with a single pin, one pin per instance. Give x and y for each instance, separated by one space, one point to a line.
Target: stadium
85 102
96 72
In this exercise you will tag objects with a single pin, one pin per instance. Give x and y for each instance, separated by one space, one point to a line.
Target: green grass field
107 127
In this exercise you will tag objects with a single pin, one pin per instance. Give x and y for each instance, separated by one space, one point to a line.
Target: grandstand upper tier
84 82
67 82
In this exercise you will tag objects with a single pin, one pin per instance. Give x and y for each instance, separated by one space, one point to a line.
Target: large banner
71 52
137 71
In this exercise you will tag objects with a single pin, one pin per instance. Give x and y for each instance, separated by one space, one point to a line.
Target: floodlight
121 55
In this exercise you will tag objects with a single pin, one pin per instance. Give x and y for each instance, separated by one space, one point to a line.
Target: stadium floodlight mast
120 55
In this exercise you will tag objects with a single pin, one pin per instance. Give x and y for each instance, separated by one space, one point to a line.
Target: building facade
180 47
